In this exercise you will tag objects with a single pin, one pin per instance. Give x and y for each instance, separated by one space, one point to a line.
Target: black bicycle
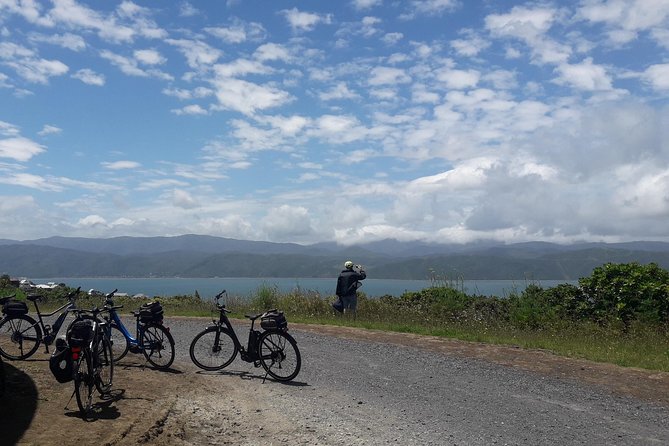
273 348
93 364
21 335
2 378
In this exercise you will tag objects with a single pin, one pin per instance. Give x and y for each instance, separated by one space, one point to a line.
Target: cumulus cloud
301 21
19 148
121 165
183 199
90 77
247 97
287 223
49 130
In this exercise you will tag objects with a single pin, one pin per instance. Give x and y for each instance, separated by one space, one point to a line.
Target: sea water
246 287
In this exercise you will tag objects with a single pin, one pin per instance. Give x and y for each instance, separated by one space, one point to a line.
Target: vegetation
618 314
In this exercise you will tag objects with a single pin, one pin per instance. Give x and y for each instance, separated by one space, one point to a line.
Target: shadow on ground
17 405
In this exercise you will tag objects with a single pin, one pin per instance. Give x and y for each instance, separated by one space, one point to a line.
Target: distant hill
206 256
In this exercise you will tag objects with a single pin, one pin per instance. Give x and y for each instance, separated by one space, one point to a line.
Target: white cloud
392 38
19 148
459 79
198 54
626 18
90 77
428 7
287 223
238 32
247 97
657 76
183 199
149 57
8 129
305 21
49 130
70 41
388 76
193 109
339 91
121 165
130 66
366 4
272 51
584 76
91 221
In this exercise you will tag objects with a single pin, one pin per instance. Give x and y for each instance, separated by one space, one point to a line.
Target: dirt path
185 407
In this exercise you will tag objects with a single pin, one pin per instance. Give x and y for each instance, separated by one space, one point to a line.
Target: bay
247 287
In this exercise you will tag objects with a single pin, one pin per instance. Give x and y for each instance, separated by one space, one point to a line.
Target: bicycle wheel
19 337
83 383
119 343
104 366
279 355
2 378
208 354
158 346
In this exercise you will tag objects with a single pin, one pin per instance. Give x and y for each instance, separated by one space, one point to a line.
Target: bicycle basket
61 362
15 308
151 312
80 333
273 320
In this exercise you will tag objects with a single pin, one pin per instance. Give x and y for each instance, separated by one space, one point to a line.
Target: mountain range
208 256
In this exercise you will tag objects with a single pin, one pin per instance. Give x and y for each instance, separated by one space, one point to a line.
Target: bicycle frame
248 353
50 332
126 333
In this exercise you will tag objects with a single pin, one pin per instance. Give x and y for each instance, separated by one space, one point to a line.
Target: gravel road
365 392
356 387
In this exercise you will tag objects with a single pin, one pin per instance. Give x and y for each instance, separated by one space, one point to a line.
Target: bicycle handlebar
221 307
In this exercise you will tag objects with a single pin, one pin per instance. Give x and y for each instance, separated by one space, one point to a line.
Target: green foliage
627 292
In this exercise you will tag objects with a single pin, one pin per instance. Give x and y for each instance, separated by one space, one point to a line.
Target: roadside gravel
361 387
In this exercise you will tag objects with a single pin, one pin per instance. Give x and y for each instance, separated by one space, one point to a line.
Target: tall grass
443 310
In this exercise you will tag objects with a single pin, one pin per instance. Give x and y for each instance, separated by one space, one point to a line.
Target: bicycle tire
119 343
20 336
2 378
209 355
83 384
104 365
279 355
156 340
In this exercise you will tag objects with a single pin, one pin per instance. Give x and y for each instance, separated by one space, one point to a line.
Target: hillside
205 256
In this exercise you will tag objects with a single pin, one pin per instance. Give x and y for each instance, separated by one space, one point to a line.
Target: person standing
348 283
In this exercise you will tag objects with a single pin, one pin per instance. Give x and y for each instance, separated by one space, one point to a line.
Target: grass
643 346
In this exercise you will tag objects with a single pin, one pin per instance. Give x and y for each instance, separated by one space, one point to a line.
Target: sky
346 121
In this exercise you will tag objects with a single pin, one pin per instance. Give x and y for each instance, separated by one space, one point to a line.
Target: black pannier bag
61 362
273 320
15 308
151 312
80 333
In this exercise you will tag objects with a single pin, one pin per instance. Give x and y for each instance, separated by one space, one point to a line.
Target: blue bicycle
153 338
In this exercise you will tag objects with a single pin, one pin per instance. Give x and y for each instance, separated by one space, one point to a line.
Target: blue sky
348 121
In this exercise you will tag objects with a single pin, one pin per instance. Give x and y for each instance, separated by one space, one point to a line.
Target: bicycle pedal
135 349
256 363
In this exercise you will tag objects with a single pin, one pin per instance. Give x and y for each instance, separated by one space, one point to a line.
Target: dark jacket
347 282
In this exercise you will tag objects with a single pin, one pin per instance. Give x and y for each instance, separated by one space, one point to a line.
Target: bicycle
21 334
217 345
2 378
93 365
153 338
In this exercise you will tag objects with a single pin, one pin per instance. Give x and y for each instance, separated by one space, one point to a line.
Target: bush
626 292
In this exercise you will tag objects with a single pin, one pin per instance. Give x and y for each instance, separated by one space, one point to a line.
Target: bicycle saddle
33 297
